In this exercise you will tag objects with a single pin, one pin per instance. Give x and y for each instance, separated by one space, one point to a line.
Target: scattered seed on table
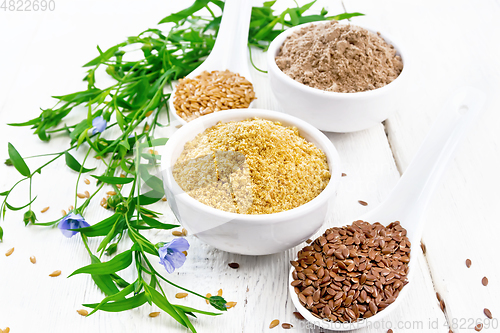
181 295
219 292
87 194
234 265
177 233
33 259
148 113
309 241
163 199
55 273
149 215
442 305
450 331
343 174
484 281
178 126
424 248
97 157
86 181
82 312
478 327
487 313
104 203
468 263
70 208
111 193
363 203
274 323
184 232
438 297
8 253
80 195
45 209
389 331
63 212
119 186
185 253
208 296
298 315
6 330
286 326
154 314
230 305
146 127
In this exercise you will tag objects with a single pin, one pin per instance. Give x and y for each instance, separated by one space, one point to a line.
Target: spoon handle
415 188
232 39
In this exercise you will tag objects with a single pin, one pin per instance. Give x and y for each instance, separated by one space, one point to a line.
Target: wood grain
451 43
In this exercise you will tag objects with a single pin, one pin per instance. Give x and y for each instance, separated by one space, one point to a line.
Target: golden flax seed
44 209
9 252
177 233
83 312
274 323
181 295
86 181
55 273
215 91
208 296
33 259
230 305
154 314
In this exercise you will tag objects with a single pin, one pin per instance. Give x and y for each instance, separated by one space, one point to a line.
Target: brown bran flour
254 166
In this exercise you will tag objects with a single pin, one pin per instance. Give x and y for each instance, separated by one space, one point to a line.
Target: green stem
251 60
79 175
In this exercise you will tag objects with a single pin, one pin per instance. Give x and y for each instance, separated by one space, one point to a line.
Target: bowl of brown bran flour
338 77
250 181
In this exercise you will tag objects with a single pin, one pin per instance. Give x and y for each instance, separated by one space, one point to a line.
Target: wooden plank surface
48 50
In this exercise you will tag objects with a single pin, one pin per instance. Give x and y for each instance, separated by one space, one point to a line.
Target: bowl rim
240 114
278 41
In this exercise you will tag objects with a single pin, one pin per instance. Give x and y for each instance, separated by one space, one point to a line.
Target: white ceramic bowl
242 233
332 111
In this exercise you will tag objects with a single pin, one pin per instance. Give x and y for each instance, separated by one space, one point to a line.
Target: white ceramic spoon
408 200
230 50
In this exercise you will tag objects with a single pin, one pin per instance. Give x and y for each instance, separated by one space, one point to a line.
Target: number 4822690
27 5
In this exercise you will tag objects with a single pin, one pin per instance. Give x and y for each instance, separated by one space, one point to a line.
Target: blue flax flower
171 256
99 125
72 221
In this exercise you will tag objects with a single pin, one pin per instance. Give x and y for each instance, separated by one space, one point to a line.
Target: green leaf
80 96
188 309
179 16
218 302
121 261
18 161
149 198
119 120
344 16
294 16
118 296
73 164
157 224
1 234
154 142
104 56
163 304
114 180
19 208
104 281
27 123
3 194
102 228
123 305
